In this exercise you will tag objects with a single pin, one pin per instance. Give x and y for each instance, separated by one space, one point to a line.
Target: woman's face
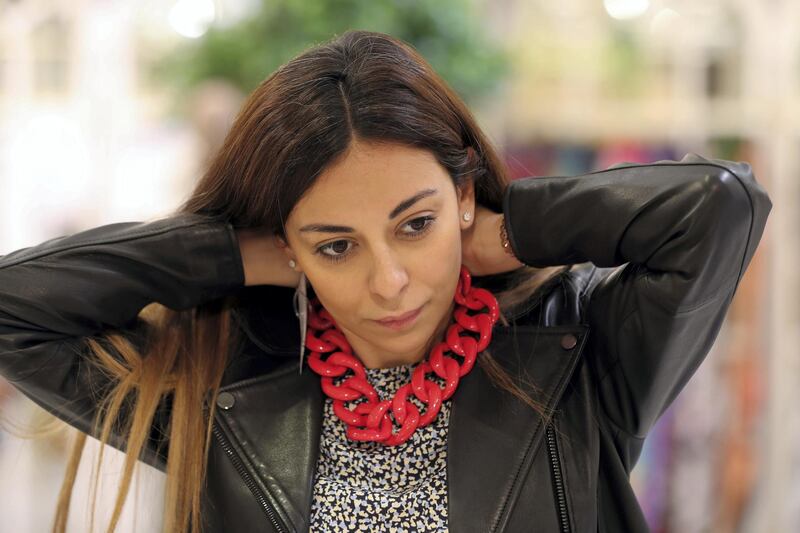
379 235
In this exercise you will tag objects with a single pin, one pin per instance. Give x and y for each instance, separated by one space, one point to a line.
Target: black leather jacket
657 252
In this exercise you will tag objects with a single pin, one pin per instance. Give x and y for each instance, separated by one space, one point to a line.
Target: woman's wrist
504 238
509 260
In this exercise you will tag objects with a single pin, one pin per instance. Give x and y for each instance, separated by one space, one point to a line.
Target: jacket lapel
275 423
493 437
276 417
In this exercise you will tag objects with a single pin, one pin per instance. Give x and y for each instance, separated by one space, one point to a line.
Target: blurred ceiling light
625 9
192 18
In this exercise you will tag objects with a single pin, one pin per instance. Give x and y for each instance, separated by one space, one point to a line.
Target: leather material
656 253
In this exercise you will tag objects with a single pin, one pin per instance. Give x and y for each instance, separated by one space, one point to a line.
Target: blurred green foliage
448 33
624 65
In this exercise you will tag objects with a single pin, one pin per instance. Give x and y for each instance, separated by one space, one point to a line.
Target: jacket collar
277 421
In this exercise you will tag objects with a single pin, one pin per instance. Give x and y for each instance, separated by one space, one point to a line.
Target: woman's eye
339 250
420 224
334 251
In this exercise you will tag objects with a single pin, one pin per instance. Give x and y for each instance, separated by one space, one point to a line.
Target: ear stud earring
292 264
467 216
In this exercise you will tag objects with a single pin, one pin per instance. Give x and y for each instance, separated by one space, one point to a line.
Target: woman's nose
389 276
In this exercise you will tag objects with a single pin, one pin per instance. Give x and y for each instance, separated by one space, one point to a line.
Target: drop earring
300 302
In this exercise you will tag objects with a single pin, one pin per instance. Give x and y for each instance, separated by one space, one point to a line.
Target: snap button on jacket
656 251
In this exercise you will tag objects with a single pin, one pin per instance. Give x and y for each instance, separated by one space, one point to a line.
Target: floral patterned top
366 486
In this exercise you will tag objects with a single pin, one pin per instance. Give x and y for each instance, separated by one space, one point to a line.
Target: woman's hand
482 250
264 261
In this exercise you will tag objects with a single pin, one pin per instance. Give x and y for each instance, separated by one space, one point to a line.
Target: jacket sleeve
56 294
675 236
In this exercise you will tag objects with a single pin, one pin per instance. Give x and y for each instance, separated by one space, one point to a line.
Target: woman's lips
404 321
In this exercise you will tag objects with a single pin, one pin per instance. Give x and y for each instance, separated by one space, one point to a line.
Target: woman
354 177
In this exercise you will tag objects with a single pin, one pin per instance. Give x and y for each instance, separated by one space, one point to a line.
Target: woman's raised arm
55 294
678 234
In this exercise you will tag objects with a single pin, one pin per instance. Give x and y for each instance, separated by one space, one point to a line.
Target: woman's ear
466 202
288 252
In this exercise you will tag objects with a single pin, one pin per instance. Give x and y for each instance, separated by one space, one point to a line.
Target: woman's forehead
380 165
375 179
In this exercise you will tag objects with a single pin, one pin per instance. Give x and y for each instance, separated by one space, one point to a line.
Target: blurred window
50 40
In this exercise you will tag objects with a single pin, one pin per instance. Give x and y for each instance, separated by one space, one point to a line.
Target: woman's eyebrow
402 206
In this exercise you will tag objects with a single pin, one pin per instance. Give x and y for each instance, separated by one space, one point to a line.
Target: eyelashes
339 254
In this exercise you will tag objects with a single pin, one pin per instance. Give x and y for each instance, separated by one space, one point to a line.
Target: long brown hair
360 85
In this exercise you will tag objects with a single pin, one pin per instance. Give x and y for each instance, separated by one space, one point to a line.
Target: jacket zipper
248 480
558 478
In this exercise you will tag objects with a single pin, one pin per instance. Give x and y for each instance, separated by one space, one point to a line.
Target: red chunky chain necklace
369 420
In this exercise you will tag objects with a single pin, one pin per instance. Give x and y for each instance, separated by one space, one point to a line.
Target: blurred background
109 110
